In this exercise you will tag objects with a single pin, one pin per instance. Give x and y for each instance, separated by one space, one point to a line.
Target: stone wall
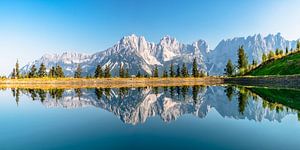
281 81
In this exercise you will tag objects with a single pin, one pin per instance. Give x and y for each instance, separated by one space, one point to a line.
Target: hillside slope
288 65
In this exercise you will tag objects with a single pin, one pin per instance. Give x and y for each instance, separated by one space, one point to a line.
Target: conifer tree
13 74
184 71
42 71
286 50
107 71
138 74
229 68
59 72
165 73
178 72
298 45
126 73
271 55
121 71
277 51
155 71
264 57
195 71
17 69
242 60
98 72
51 73
32 73
172 72
254 63
281 52
78 72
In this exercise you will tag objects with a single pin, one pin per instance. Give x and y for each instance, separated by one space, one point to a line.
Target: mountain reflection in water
136 105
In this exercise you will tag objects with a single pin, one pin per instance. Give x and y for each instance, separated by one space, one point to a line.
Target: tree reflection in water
175 99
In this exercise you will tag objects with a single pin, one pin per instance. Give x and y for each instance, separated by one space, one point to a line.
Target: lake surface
197 117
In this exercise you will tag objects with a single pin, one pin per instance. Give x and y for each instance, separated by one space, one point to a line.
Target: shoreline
275 81
292 81
107 82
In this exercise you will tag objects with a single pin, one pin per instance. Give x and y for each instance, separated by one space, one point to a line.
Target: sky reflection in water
210 117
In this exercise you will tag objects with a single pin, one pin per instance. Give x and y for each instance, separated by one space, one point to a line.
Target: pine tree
281 52
242 58
178 73
271 55
51 73
254 63
126 73
277 52
195 71
298 45
59 72
165 73
98 72
78 72
13 74
264 57
229 68
155 72
121 71
286 50
42 71
107 71
172 73
17 70
184 71
32 73
138 74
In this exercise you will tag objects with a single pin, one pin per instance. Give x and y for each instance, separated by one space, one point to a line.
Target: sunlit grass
280 65
105 82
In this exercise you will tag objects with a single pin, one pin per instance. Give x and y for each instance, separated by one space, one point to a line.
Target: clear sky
31 28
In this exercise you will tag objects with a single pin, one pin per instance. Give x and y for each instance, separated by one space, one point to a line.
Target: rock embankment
280 81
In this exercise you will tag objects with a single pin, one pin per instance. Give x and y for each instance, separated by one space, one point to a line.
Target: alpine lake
171 117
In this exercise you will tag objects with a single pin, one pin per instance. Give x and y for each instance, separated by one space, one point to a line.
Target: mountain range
138 54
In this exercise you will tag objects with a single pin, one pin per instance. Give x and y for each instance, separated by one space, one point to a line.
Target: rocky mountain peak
137 54
167 40
202 46
132 41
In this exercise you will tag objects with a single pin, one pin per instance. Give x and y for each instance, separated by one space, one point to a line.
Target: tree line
57 72
41 72
243 65
180 71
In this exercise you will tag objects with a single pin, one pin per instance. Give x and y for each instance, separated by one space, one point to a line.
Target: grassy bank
105 82
287 65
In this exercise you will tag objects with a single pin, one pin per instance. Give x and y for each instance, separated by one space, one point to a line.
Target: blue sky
31 28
